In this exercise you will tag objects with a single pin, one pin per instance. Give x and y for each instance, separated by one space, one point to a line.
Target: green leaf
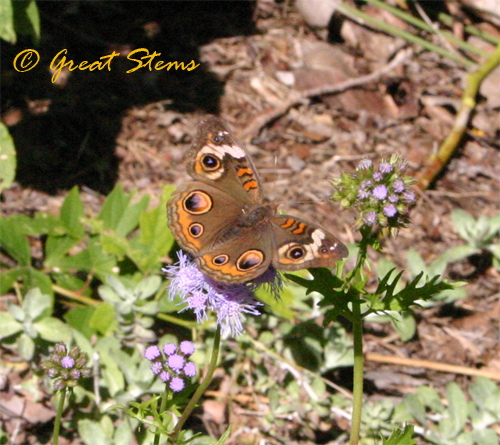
464 224
92 433
429 397
27 19
14 242
113 376
485 437
9 277
25 346
114 207
103 319
8 325
54 330
37 305
323 282
8 160
482 389
154 239
34 278
416 407
452 425
225 436
130 217
401 436
72 214
79 319
405 325
7 31
147 287
458 253
56 247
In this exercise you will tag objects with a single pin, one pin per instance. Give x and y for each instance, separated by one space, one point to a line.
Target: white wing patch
232 150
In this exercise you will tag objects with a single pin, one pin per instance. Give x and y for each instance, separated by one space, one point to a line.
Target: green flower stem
357 393
201 389
57 422
178 321
357 334
163 407
74 295
350 11
426 27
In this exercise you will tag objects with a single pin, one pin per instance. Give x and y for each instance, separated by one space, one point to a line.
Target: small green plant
462 421
480 234
22 326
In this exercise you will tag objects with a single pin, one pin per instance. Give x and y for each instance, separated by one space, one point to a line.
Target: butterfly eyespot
196 230
220 260
296 253
210 162
197 203
250 260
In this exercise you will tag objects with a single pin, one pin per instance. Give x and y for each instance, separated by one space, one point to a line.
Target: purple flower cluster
66 367
229 302
382 195
172 368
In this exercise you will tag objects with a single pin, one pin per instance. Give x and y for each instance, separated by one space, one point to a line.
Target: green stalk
469 29
426 27
163 407
350 11
57 422
357 393
201 389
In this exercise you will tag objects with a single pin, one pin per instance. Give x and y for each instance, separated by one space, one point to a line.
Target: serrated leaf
54 330
401 436
14 242
8 160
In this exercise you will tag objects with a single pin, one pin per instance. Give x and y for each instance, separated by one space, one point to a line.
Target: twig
296 97
438 161
443 367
